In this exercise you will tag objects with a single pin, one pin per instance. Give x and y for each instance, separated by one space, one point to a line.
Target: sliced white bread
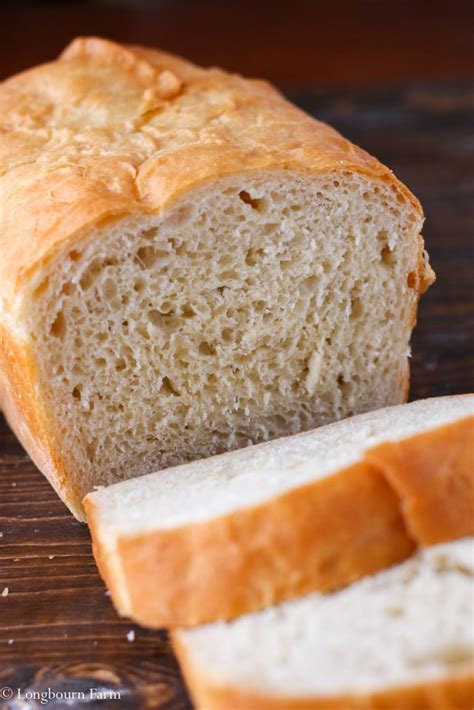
316 511
401 640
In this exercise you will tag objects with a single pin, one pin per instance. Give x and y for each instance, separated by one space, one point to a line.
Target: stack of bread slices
276 552
190 265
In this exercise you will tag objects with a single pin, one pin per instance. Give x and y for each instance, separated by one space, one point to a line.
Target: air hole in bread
109 289
412 279
357 308
90 274
166 308
253 255
206 349
120 365
149 235
254 202
139 285
58 327
230 275
148 256
90 450
387 256
309 284
187 311
68 288
156 318
167 387
269 228
226 260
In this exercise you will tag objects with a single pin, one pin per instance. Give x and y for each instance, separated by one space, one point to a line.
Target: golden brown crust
102 557
320 536
24 412
433 473
421 279
107 122
455 692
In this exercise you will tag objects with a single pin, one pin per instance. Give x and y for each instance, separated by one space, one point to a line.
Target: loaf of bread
401 640
237 532
190 264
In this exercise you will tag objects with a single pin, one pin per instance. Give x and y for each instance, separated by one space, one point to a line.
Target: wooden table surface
57 626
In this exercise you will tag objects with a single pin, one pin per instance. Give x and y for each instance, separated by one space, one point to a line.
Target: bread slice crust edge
281 549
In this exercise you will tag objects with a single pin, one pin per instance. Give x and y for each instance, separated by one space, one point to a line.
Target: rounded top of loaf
109 130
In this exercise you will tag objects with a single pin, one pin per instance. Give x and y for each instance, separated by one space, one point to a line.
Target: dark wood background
57 626
295 44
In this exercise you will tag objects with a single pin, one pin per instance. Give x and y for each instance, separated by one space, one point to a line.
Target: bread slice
190 264
315 511
403 639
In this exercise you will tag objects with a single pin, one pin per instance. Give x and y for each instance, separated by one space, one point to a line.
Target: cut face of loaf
234 533
224 323
403 638
209 268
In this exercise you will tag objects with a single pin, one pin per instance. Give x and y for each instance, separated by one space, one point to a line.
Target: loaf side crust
24 412
317 537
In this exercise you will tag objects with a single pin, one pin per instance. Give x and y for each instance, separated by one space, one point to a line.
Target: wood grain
57 626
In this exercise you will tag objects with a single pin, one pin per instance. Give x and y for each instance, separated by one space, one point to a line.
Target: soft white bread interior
232 533
207 267
401 639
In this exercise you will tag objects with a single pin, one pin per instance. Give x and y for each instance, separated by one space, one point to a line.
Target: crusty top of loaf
108 130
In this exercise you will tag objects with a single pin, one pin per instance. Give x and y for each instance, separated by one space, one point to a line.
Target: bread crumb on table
131 636
5 592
